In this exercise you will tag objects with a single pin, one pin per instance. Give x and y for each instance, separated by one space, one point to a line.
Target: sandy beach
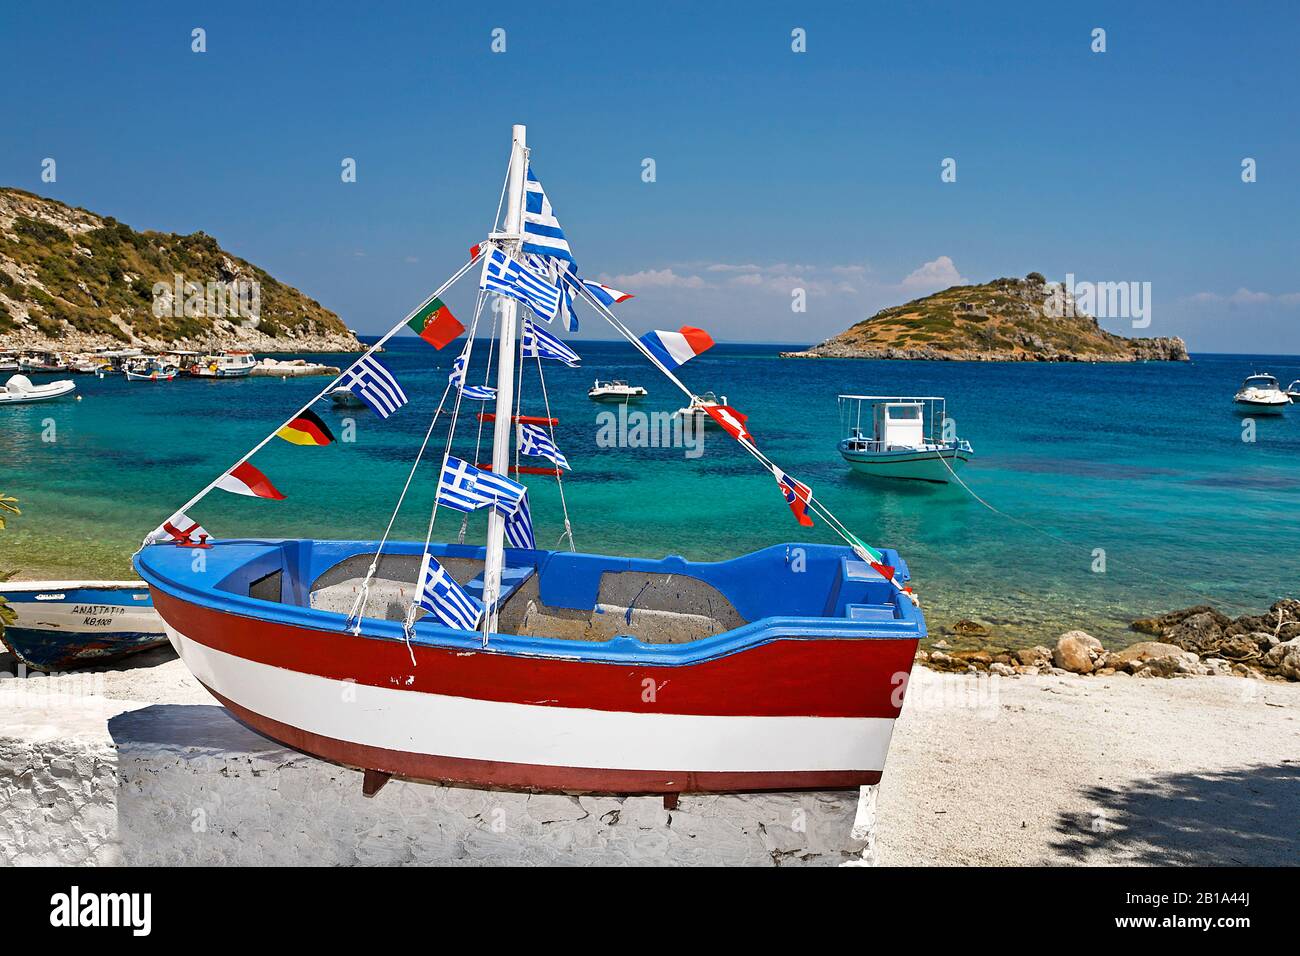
1010 770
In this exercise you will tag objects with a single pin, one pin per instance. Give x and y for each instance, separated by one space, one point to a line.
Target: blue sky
820 169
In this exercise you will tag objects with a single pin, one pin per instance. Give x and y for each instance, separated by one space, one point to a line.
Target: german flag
307 429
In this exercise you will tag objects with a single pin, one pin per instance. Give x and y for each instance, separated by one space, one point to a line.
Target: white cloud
934 275
653 279
1244 296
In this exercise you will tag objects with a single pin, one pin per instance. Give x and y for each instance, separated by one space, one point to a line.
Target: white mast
503 430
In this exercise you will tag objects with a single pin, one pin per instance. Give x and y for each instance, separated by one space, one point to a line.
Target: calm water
1144 461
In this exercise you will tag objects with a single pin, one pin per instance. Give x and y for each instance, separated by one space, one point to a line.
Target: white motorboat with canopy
506 664
901 437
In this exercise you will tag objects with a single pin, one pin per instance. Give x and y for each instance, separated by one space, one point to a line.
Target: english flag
731 420
246 480
797 496
178 529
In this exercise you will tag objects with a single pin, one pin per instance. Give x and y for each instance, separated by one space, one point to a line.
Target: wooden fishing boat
509 665
900 438
65 624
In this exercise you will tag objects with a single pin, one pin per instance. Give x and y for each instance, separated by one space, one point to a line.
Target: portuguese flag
435 324
307 429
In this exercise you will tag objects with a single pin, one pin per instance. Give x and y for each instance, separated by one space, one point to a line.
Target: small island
1006 320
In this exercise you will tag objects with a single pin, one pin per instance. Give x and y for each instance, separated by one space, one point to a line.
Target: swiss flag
731 420
797 496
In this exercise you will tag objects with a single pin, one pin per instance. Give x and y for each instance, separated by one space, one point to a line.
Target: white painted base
93 781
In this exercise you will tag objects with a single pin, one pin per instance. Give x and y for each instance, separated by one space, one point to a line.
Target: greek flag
505 276
538 343
457 376
478 393
519 527
374 385
562 275
446 600
542 233
462 487
533 440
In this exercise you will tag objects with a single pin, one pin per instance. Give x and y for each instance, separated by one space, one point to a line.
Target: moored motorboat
63 624
19 388
345 398
232 363
900 438
696 409
509 665
1260 394
151 371
616 391
1293 392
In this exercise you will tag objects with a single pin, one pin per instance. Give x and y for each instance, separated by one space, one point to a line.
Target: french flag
604 294
675 349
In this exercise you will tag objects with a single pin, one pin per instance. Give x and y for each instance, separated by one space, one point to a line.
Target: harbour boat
229 364
900 437
616 391
153 371
85 365
345 398
19 388
506 665
42 363
9 362
1260 394
65 624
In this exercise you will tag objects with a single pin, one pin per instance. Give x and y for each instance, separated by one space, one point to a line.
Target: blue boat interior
553 601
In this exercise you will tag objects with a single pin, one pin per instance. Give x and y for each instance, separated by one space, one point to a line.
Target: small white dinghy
19 388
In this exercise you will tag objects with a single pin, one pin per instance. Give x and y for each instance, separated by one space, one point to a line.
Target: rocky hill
71 280
1006 320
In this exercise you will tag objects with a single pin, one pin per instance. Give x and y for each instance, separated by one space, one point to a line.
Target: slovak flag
675 349
731 420
604 294
244 479
797 495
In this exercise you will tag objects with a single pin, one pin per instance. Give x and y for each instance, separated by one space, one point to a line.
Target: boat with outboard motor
232 363
1260 394
905 439
509 665
63 624
19 388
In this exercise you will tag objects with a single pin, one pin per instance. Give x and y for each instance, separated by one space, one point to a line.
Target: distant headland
1006 320
73 281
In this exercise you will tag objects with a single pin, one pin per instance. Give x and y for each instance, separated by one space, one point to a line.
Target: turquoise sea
1144 461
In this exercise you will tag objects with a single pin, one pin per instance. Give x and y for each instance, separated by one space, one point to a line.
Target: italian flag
246 480
435 324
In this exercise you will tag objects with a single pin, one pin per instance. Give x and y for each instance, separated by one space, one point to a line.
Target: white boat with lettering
62 624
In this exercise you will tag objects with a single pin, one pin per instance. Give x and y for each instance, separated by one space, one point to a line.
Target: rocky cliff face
71 280
1006 320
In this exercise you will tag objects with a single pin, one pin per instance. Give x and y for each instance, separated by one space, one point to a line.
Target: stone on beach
1076 651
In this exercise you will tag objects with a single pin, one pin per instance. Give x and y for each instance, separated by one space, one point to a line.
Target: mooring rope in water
1073 544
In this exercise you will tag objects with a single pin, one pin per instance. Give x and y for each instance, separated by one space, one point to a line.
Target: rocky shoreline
1171 349
224 335
1194 641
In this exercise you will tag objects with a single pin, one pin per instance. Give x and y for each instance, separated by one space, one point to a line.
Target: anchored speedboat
508 665
1260 394
903 438
616 391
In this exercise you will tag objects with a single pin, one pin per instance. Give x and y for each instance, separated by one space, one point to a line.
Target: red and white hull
789 714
